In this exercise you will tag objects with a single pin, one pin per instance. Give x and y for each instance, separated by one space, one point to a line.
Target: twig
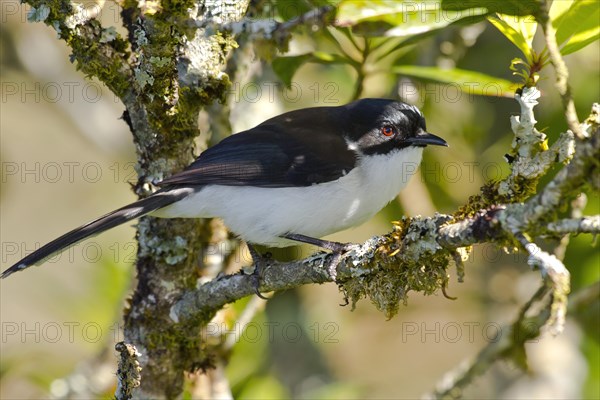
128 373
269 28
558 277
576 225
511 342
565 185
583 224
562 73
531 159
317 15
513 336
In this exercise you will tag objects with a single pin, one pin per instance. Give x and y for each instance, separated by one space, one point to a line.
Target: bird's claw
256 277
259 264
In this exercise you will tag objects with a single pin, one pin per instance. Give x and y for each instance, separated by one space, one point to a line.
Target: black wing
293 149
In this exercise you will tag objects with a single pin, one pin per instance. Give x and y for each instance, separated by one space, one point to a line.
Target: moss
520 189
106 61
177 7
408 259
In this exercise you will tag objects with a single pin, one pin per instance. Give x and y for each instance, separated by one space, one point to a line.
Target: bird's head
381 126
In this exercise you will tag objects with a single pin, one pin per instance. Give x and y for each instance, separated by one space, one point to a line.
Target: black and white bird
295 177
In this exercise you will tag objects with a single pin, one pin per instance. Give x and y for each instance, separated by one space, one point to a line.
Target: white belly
262 215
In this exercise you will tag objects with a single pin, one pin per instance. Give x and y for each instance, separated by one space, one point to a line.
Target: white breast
262 215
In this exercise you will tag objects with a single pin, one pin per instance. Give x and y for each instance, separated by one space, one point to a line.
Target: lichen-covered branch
97 51
177 71
511 344
375 260
128 372
557 278
278 32
576 225
164 72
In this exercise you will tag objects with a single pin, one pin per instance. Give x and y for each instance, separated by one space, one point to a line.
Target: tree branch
589 224
128 373
269 29
562 73
511 343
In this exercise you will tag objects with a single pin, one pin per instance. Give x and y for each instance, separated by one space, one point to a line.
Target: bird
293 178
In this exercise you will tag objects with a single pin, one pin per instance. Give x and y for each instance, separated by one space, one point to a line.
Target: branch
279 32
372 259
589 224
566 184
562 73
511 344
557 278
525 216
530 157
128 373
98 51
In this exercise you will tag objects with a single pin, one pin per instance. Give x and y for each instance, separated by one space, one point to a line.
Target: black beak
424 138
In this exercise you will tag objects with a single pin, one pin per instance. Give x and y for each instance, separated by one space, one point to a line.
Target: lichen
408 259
38 14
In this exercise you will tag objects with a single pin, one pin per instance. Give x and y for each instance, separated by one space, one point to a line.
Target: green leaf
581 40
328 58
558 8
401 18
509 7
473 83
286 67
519 30
578 26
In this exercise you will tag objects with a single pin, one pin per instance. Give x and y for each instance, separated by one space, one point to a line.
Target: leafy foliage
387 29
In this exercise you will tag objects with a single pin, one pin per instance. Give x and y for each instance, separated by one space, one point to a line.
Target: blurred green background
67 157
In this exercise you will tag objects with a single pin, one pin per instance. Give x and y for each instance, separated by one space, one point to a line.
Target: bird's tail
134 210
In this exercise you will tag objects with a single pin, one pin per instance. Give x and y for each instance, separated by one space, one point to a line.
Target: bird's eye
388 130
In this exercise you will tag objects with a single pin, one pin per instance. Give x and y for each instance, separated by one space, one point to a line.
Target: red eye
387 130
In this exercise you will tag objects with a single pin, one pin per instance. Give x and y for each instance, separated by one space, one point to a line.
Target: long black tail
134 210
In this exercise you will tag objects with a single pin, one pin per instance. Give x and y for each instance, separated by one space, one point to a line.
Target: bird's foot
338 249
260 262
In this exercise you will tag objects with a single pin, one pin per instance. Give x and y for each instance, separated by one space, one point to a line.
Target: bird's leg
259 263
336 247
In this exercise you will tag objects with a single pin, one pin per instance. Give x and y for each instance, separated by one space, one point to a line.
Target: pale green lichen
38 14
140 37
171 250
108 34
143 78
160 61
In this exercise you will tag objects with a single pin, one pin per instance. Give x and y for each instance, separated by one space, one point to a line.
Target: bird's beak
424 138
